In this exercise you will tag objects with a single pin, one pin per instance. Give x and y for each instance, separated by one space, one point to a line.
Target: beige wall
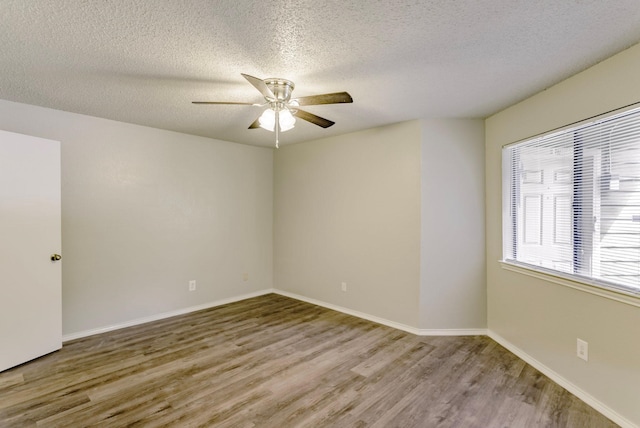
144 211
452 282
348 209
542 318
385 211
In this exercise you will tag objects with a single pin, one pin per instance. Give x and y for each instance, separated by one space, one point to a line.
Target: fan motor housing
281 88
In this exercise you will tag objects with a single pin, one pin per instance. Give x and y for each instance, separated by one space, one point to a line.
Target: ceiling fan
281 108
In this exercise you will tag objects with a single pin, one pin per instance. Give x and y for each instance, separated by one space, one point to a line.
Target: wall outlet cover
582 350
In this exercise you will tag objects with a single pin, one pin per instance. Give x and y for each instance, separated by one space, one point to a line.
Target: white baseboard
575 390
138 321
569 386
452 332
572 388
388 323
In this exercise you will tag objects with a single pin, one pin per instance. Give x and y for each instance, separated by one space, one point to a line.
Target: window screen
572 202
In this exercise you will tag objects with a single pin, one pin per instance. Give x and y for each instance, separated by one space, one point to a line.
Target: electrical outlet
344 286
192 285
582 350
245 276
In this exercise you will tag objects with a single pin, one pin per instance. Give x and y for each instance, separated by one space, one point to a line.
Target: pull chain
277 126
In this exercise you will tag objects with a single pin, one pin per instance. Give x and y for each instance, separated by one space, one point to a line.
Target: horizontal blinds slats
574 200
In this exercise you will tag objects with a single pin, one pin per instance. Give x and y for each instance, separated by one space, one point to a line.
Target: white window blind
572 202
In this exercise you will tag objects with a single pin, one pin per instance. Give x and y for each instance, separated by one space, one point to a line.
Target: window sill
628 298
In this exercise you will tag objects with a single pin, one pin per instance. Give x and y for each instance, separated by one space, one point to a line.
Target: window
571 202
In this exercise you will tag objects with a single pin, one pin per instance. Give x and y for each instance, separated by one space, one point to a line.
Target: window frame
597 286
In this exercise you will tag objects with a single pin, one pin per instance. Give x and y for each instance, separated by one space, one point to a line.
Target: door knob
55 257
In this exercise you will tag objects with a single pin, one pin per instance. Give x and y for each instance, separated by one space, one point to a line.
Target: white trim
569 386
453 332
582 123
629 299
138 321
388 323
575 390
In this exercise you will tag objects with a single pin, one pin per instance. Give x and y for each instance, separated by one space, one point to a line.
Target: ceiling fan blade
334 98
260 85
255 124
222 102
310 117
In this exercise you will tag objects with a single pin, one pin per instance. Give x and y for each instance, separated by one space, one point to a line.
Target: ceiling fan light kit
281 112
268 120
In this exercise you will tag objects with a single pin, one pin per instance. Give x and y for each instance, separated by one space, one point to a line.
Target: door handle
55 257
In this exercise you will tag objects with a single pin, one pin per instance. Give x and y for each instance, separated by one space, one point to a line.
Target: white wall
385 210
347 209
452 261
145 210
542 318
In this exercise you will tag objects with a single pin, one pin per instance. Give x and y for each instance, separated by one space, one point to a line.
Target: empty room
319 214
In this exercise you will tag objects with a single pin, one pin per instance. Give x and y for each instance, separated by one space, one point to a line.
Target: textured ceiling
144 61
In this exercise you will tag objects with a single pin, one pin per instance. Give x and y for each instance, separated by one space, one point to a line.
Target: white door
545 218
30 281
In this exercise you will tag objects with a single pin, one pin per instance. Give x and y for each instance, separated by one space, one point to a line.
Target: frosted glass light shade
268 120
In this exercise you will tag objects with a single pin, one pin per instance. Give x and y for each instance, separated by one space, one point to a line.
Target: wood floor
272 361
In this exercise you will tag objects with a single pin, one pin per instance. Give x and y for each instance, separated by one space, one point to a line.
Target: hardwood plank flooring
272 361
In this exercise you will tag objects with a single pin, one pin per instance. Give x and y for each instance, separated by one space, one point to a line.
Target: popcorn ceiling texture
144 61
